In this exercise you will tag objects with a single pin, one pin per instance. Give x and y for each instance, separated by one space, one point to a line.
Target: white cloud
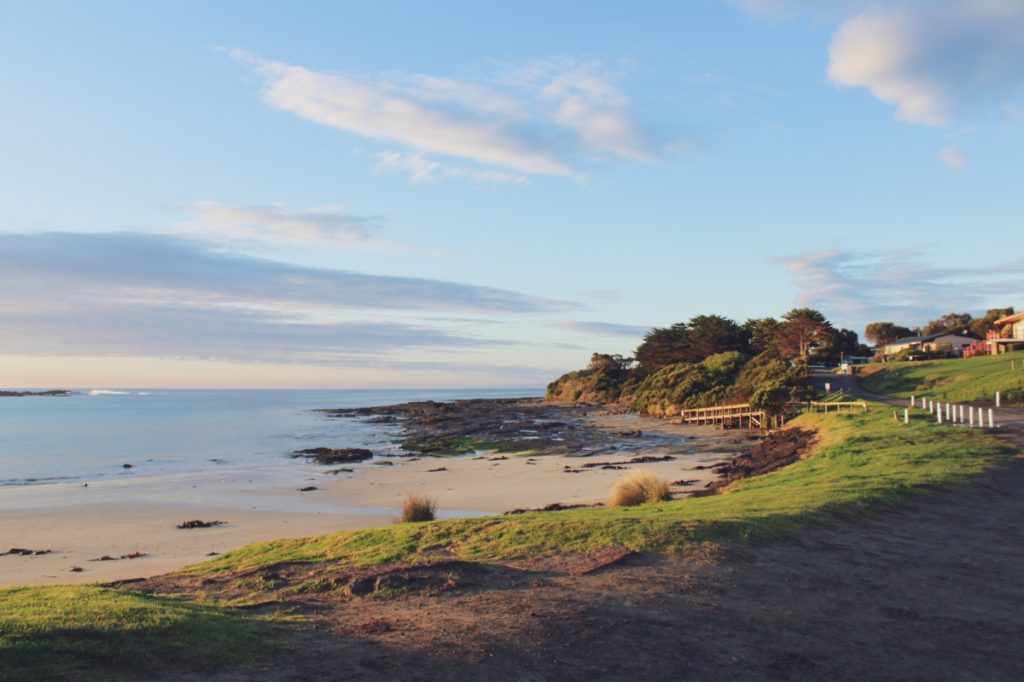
584 100
130 266
856 288
953 156
122 294
933 59
545 120
325 225
605 328
422 169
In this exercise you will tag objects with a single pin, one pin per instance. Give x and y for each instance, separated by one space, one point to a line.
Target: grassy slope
84 633
969 380
861 460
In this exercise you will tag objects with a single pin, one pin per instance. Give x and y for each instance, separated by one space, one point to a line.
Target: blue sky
476 194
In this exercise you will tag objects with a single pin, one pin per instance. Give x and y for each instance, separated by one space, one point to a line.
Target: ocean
92 434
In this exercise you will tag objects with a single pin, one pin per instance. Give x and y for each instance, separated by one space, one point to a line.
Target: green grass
88 632
862 460
957 380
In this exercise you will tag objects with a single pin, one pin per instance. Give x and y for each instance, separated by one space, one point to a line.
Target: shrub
638 487
418 508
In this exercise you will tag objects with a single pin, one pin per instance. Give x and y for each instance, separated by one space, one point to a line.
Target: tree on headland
693 341
713 334
843 344
802 330
982 325
761 331
661 346
883 333
950 323
605 362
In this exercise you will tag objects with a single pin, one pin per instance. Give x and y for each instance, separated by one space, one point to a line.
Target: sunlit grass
957 380
860 460
95 633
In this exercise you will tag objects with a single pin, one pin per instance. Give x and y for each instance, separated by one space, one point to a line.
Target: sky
481 194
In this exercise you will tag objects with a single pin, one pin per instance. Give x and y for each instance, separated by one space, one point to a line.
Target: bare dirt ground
931 590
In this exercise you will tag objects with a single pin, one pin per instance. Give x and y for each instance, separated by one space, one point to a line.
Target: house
1008 335
933 343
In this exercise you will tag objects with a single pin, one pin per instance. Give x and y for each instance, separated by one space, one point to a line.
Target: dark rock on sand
196 523
554 506
21 551
642 459
129 555
775 451
323 455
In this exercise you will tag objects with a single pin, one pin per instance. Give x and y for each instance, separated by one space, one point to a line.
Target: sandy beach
80 524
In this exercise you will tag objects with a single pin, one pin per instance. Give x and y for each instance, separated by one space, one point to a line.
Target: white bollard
912 401
906 416
948 418
997 398
970 412
961 419
938 414
991 419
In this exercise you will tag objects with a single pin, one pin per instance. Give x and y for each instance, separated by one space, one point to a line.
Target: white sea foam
102 391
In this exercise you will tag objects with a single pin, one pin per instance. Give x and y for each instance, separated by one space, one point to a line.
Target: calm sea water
91 434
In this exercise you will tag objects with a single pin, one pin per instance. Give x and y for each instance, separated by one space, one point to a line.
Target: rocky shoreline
59 393
534 427
511 425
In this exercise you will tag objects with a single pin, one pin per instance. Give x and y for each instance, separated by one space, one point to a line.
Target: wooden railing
849 406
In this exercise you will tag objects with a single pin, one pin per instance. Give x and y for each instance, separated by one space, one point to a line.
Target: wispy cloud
325 225
131 294
605 328
953 156
101 328
127 266
422 169
933 60
540 118
855 288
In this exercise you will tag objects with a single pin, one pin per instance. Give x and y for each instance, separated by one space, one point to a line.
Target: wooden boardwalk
739 416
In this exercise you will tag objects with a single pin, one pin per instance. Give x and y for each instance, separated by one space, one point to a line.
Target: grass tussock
638 487
418 508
